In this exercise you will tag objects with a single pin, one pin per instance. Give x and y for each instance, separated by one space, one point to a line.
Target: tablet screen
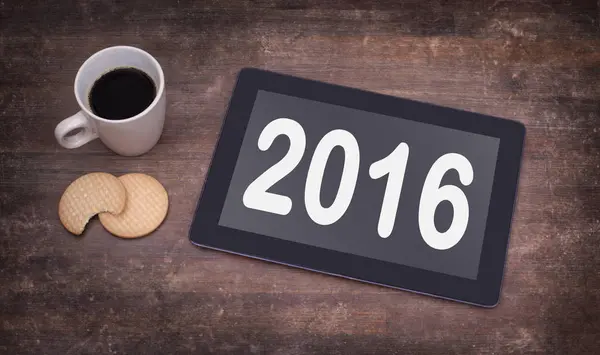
362 183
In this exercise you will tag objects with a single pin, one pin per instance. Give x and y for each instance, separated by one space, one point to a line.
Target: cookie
147 205
89 195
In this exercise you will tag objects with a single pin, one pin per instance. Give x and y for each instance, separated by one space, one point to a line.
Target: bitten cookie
89 195
147 205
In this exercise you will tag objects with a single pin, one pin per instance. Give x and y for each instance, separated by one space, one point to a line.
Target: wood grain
533 61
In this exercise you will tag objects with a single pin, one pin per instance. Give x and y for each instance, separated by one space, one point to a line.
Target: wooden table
537 62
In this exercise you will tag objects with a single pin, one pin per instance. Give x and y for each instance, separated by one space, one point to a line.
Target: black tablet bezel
484 291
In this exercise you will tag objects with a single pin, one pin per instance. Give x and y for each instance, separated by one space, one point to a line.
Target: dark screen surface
356 230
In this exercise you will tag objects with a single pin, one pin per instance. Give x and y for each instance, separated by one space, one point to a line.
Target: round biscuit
87 196
146 209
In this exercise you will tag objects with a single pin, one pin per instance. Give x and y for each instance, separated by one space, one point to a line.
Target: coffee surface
121 93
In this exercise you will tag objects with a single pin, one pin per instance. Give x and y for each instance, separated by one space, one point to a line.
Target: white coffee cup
131 136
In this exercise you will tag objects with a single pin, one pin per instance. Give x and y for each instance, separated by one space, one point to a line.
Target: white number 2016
394 166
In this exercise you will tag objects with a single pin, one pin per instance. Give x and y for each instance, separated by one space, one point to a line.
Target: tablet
361 185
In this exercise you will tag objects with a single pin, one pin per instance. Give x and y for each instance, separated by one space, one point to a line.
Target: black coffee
121 93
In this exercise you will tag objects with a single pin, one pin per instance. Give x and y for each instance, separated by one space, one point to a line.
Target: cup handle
68 125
